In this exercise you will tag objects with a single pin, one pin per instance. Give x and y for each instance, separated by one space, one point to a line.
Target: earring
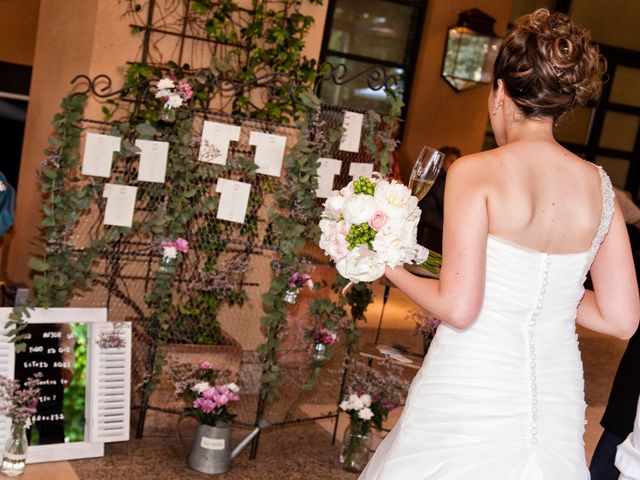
495 109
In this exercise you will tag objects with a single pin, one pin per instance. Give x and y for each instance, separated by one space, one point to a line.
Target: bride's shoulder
474 166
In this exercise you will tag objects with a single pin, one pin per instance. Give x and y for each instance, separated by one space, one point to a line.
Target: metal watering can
211 448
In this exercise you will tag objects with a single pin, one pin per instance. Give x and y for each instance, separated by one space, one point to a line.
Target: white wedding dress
504 398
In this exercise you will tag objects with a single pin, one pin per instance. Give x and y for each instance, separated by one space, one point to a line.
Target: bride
500 395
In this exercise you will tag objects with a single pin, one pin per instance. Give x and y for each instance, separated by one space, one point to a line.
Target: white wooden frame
107 392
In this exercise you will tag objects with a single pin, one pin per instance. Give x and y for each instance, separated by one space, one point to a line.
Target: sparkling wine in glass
425 171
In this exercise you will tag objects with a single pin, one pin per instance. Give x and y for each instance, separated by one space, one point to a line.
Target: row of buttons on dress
532 349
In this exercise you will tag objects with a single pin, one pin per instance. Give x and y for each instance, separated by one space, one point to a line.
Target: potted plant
374 392
19 405
209 399
296 282
322 339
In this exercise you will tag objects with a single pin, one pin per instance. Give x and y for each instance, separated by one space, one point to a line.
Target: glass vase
356 446
291 295
14 458
168 115
320 352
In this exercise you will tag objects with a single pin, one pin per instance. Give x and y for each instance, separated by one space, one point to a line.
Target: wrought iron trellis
127 269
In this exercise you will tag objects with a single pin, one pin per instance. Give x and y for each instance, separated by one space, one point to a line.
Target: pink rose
204 404
186 90
210 393
206 365
378 220
182 245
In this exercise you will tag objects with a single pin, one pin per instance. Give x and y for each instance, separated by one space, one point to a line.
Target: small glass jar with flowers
322 339
209 399
426 326
375 391
18 404
297 280
174 95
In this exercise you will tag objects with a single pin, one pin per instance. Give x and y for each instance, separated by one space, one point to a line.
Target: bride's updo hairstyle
549 65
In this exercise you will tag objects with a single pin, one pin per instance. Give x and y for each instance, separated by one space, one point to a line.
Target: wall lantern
471 49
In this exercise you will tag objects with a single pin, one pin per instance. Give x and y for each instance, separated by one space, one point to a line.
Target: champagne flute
425 171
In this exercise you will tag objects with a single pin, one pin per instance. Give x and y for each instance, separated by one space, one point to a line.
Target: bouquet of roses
371 224
209 400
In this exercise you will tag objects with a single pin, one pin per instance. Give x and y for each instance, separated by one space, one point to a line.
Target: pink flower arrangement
299 280
170 250
325 336
173 95
208 398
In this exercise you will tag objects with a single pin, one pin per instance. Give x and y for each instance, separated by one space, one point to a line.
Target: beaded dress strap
608 209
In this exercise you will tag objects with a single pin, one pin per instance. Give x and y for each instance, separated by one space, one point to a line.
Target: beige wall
438 115
65 37
611 22
18 23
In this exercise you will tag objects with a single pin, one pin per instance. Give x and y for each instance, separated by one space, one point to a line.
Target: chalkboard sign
85 385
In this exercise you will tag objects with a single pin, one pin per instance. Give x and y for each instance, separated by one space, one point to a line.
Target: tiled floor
305 452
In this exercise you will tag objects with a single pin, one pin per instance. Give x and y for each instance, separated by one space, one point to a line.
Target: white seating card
153 160
357 170
121 202
98 154
214 144
234 198
328 168
269 152
352 123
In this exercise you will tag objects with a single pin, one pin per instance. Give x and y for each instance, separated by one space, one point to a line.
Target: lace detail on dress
608 209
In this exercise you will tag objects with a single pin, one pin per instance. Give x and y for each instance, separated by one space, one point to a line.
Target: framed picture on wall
85 386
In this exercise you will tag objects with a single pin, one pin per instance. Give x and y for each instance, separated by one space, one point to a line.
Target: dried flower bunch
19 404
425 323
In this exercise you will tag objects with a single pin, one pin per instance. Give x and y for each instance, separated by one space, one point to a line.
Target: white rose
165 84
332 240
421 254
163 93
359 208
333 205
169 253
233 387
365 414
366 399
175 101
200 387
356 403
345 405
361 265
395 201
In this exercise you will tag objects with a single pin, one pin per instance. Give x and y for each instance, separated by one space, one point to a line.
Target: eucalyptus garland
63 268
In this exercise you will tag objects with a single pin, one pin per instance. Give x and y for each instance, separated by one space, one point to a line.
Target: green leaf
145 129
38 265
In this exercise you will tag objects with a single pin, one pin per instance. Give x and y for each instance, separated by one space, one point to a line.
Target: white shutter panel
110 395
7 368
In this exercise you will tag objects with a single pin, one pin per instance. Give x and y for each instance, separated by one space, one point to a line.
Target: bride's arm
456 298
613 306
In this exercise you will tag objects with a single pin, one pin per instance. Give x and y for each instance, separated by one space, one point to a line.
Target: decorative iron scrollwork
377 78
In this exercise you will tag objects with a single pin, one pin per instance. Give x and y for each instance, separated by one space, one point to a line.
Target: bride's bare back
542 197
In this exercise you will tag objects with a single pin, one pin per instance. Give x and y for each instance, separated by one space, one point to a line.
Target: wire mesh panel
217 285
